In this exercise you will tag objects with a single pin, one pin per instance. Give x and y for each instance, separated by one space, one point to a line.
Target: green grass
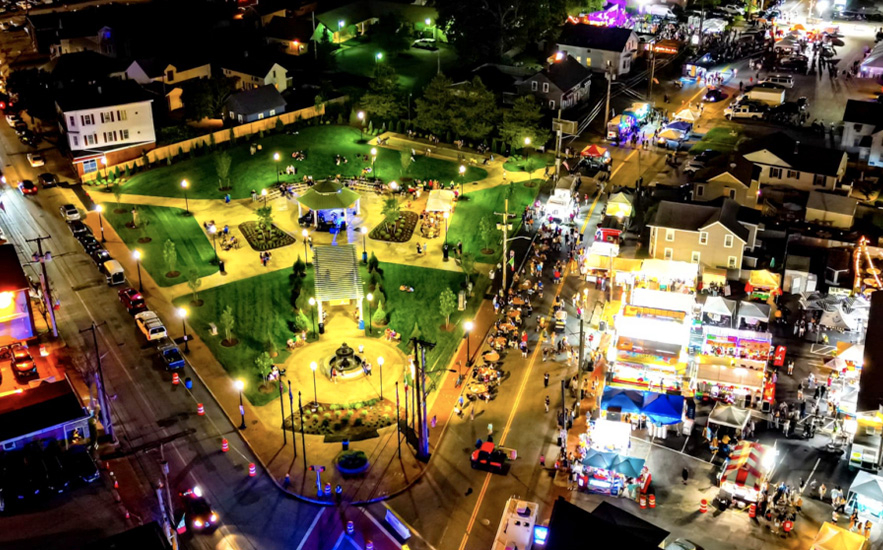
534 162
160 224
415 67
724 137
321 143
482 204
261 307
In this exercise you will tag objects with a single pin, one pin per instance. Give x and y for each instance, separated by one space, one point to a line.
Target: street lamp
213 231
340 25
182 313
526 143
462 171
361 116
313 313
370 298
104 163
380 364
306 235
264 196
99 209
276 159
373 159
137 255
184 186
446 216
364 231
240 385
468 326
313 367
378 57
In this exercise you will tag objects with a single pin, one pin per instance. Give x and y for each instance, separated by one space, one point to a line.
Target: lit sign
540 535
634 311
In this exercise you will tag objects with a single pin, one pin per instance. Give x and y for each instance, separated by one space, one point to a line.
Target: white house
165 77
863 130
106 124
783 161
253 72
594 46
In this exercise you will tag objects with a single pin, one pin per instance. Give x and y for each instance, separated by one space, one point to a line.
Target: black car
713 96
18 483
47 180
79 465
37 471
100 256
58 476
29 138
89 242
78 228
198 512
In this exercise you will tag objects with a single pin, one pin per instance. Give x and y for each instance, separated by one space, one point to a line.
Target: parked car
197 510
23 364
47 180
171 355
29 138
78 228
132 300
89 243
150 325
425 44
20 481
713 96
36 160
21 127
79 464
69 212
36 463
27 187
100 256
733 10
745 110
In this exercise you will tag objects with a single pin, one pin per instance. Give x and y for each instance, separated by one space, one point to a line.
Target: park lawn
161 223
723 138
414 66
482 204
534 162
262 310
321 144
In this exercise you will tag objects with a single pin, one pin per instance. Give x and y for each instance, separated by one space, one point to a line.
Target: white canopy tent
854 354
440 200
838 320
729 415
687 115
752 311
661 299
717 305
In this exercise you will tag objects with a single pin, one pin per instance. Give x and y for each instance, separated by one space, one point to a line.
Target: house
84 68
168 71
707 235
595 46
830 210
863 130
354 19
785 162
264 11
107 123
16 315
51 410
731 176
561 85
502 80
254 71
255 104
293 35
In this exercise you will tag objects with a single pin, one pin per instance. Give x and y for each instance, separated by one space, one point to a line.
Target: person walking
546 381
547 402
822 491
791 367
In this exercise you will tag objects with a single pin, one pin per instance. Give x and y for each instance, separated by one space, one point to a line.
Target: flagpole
291 408
282 408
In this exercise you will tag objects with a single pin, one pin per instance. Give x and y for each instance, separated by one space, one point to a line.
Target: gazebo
328 195
338 280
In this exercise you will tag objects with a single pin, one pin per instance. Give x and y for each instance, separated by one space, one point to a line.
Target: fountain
346 363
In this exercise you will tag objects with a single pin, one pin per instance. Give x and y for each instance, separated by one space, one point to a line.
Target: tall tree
170 255
391 210
222 161
391 33
207 96
523 121
435 108
447 303
227 321
475 111
194 282
382 98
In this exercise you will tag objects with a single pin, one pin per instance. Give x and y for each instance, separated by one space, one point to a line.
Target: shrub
357 422
363 412
327 415
326 423
358 405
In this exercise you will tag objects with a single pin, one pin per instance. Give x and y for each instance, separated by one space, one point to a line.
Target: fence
221 136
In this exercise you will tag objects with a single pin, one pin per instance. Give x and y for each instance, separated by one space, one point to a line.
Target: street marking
530 366
382 529
310 530
810 475
408 525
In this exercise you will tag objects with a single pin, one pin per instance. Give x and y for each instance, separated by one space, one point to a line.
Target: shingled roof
337 273
694 217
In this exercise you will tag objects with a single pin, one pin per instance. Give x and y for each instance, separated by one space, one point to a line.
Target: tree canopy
206 97
382 98
391 33
524 120
467 111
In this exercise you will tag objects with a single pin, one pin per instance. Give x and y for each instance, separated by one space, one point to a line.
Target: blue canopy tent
599 459
627 401
663 409
627 466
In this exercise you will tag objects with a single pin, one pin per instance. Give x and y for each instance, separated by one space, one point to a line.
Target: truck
170 354
769 96
489 457
517 525
560 203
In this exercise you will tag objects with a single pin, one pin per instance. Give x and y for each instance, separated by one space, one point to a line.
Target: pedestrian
490 431
472 413
547 402
685 474
546 380
791 367
868 526
822 491
798 504
434 421
542 460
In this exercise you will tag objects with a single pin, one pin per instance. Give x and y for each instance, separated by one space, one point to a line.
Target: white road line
310 530
383 529
810 475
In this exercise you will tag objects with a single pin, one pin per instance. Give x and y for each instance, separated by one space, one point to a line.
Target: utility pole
608 73
42 258
103 402
558 145
652 73
303 438
165 473
315 45
582 355
291 410
505 224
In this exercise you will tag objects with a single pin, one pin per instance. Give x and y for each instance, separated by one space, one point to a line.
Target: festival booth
718 312
866 496
617 403
728 384
607 473
738 348
837 319
439 208
687 115
745 472
607 436
670 137
620 205
642 364
667 275
621 127
866 445
713 279
762 285
848 361
729 416
639 111
753 316
833 537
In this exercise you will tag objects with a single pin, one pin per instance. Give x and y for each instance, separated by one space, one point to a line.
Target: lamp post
370 298
361 116
468 326
264 196
104 163
462 171
313 313
526 143
306 235
182 313
99 209
184 186
240 385
378 57
380 364
446 215
373 159
137 255
428 22
313 367
364 231
276 161
213 231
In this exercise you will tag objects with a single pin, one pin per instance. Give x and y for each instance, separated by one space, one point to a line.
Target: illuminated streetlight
264 196
182 313
276 158
137 255
99 209
340 25
185 185
462 171
364 231
240 385
361 116
313 367
378 57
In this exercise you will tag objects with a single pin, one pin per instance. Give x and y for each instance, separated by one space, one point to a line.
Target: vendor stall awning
670 270
599 459
763 279
687 115
838 320
833 537
714 275
619 204
661 299
663 409
728 415
725 375
440 200
867 485
753 310
593 151
627 401
853 354
746 466
716 305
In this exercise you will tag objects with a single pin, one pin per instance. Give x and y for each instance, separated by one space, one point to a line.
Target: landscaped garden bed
399 231
350 421
263 240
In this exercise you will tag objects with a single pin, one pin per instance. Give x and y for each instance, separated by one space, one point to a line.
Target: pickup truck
171 355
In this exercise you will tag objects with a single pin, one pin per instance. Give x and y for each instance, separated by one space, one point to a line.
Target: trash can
221 266
321 328
345 444
445 252
188 383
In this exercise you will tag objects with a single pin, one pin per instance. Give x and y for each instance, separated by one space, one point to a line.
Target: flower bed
399 232
352 421
265 240
352 462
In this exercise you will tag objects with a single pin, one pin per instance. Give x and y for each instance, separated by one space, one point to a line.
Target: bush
327 415
358 405
364 413
357 422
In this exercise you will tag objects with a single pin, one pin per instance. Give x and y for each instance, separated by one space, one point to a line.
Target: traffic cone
200 409
652 501
752 511
116 484
643 501
703 506
127 513
224 446
252 470
175 379
349 528
369 545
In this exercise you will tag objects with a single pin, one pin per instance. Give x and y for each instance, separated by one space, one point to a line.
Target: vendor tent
868 486
752 311
837 364
745 467
440 200
712 275
627 466
593 151
728 415
787 43
832 537
671 134
681 126
627 401
687 115
599 459
837 319
854 354
715 305
619 204
761 278
663 409
611 435
668 270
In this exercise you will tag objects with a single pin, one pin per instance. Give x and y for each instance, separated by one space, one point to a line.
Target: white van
780 79
113 272
660 10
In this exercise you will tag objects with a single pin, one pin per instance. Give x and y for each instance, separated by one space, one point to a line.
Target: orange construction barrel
703 506
652 501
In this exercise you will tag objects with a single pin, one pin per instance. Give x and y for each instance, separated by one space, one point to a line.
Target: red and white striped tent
745 468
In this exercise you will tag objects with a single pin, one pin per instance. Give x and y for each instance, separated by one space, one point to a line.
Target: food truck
620 127
560 203
516 528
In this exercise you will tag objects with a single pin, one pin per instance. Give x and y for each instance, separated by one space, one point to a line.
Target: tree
194 282
382 97
487 229
391 210
227 321
475 113
264 365
577 7
379 316
170 255
447 304
467 264
523 121
117 191
318 101
265 218
223 161
391 33
299 268
406 161
301 321
434 109
206 97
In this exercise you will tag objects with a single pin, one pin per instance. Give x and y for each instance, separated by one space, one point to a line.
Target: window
700 190
108 137
668 254
76 140
90 139
124 134
703 237
670 235
819 180
533 86
170 76
272 112
121 114
87 119
731 193
107 117
545 87
551 104
776 173
728 241
731 262
793 174
90 166
857 127
73 121
694 257
260 116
